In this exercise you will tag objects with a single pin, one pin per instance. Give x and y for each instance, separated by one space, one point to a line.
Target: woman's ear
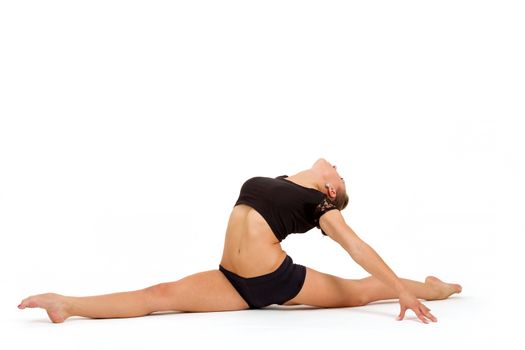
331 191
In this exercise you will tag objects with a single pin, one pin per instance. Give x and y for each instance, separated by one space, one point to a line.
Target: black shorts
274 288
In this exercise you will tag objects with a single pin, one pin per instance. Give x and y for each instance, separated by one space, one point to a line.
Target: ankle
436 292
69 305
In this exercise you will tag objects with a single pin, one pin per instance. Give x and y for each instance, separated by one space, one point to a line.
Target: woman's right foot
54 304
443 290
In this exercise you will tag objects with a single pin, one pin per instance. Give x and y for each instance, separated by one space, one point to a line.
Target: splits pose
256 272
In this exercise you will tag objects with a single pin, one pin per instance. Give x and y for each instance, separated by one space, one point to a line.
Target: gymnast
256 272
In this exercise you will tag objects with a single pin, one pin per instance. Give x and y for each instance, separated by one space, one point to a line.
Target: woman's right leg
202 292
326 290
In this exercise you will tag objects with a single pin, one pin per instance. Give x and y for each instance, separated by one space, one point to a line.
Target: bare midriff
250 246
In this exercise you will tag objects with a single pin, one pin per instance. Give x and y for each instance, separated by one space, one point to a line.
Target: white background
128 127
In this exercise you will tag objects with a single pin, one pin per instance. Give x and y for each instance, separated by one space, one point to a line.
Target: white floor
461 323
127 129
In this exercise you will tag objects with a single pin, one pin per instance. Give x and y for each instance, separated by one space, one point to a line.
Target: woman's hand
408 301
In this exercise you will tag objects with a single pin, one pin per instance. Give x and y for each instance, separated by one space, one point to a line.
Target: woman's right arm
334 225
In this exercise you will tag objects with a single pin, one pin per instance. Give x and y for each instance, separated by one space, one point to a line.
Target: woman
255 271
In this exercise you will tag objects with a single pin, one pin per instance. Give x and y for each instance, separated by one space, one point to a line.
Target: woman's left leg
201 292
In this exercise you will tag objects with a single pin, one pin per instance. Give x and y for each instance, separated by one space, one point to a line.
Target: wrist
400 288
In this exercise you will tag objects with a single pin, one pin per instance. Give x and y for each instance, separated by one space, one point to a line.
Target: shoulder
323 208
333 224
325 205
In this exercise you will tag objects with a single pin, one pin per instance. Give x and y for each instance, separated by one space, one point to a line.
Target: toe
28 302
23 304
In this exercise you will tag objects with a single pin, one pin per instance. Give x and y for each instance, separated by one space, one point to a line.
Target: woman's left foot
443 290
54 304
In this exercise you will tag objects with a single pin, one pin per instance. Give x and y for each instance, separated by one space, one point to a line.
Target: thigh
325 290
206 291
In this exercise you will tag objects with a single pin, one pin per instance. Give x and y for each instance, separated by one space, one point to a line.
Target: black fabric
274 288
286 206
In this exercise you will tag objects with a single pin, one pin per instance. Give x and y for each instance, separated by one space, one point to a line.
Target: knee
356 294
159 296
359 296
157 291
351 301
361 300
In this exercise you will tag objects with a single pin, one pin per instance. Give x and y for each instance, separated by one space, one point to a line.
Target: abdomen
250 247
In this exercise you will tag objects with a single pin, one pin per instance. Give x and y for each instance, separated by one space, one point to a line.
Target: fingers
422 312
428 315
420 315
402 313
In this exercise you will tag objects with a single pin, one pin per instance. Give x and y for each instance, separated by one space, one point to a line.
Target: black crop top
286 206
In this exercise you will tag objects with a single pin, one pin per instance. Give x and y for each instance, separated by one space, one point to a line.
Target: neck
311 178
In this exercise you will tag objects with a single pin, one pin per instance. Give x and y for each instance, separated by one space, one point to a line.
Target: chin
322 161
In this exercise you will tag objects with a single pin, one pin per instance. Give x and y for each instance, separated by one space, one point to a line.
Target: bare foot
443 290
54 304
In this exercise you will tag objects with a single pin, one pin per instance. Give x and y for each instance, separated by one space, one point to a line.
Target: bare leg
205 291
432 289
326 290
60 307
